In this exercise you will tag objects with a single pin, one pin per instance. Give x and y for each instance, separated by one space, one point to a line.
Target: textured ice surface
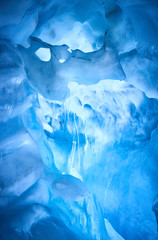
78 119
84 21
108 127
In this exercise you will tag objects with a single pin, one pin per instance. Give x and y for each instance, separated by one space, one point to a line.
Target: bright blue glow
78 120
61 60
43 54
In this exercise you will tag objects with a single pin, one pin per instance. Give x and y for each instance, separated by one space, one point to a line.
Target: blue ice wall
78 119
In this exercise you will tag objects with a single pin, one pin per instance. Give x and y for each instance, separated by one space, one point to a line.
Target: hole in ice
62 60
44 54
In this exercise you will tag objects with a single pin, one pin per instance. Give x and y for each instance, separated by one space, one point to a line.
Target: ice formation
78 119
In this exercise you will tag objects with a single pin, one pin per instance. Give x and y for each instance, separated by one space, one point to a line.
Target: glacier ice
52 77
112 233
87 31
78 119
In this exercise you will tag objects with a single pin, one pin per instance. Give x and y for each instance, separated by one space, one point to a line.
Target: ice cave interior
78 119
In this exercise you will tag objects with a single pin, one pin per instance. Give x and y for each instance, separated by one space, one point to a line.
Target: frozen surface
78 119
